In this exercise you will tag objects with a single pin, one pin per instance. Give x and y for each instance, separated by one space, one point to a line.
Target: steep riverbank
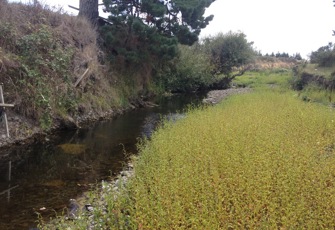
25 131
56 73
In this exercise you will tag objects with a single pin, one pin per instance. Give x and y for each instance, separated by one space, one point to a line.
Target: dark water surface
44 176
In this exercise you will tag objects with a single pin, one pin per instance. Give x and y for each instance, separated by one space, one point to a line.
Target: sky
290 26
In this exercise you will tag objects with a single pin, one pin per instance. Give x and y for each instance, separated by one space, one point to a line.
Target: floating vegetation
54 183
74 149
248 163
258 161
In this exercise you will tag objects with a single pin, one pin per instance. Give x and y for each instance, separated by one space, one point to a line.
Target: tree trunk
89 10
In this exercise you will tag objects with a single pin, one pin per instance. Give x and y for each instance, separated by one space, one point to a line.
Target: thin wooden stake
81 78
5 115
10 171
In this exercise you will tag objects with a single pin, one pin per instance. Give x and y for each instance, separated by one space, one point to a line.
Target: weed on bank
263 160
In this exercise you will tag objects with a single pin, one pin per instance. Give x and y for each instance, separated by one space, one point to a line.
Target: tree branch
241 72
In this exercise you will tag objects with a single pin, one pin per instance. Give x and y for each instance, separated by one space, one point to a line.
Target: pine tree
182 19
149 30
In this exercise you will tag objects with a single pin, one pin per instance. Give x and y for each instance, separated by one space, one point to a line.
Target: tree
324 56
192 70
89 10
229 52
182 19
145 33
297 56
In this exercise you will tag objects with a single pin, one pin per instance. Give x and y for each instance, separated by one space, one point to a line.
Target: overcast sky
292 26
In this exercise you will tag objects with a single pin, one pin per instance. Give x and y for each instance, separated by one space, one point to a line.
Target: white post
5 115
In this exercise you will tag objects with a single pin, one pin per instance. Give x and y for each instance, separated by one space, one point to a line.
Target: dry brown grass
266 63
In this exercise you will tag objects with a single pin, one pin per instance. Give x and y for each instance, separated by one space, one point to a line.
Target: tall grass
258 161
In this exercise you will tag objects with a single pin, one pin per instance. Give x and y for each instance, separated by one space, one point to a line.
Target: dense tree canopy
148 31
173 18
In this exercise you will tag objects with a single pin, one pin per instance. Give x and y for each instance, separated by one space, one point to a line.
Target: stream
43 177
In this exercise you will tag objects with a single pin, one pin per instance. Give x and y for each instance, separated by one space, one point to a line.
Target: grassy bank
262 160
315 83
264 79
53 68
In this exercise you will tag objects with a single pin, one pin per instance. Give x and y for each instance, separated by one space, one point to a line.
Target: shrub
191 71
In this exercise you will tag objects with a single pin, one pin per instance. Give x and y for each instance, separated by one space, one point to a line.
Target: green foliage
191 71
143 35
164 16
228 51
324 56
132 43
284 55
264 79
42 57
315 93
202 65
314 83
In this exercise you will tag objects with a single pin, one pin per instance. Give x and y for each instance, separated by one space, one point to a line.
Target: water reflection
44 176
